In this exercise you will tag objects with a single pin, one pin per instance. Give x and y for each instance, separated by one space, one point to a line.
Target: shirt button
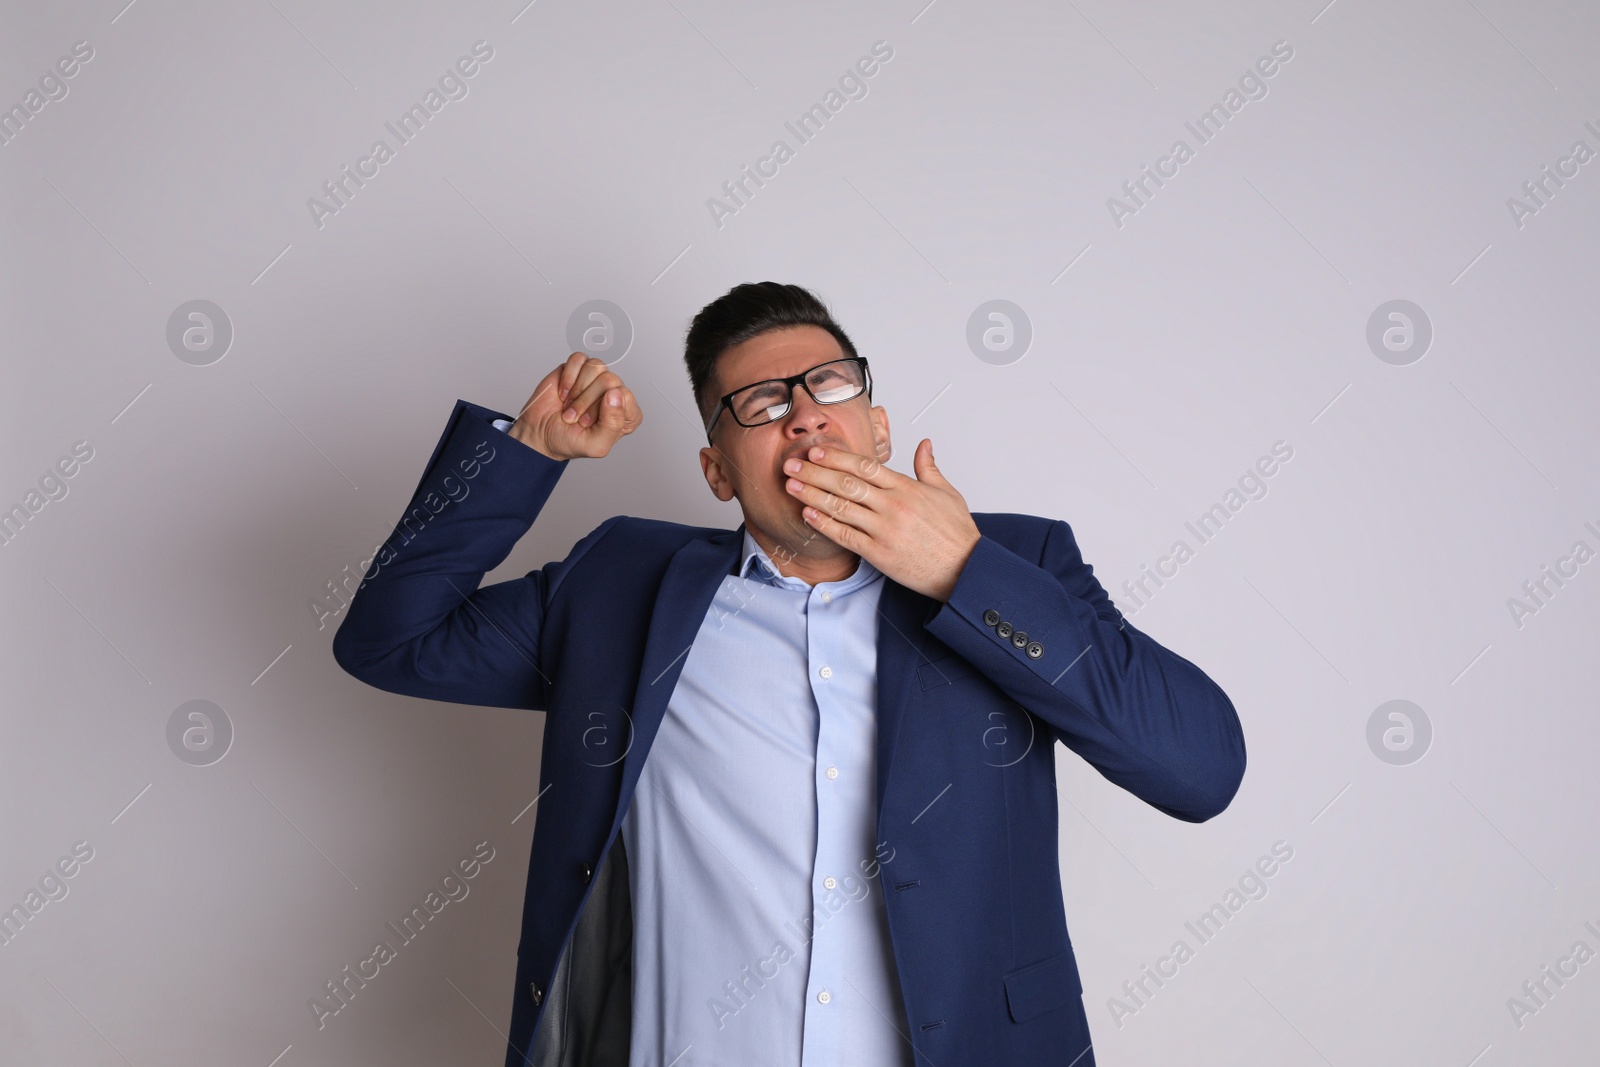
832 772
823 997
827 598
826 672
829 882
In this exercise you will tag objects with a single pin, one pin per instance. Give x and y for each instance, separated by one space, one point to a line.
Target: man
797 796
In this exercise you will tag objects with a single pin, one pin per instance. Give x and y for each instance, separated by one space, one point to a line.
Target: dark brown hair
743 312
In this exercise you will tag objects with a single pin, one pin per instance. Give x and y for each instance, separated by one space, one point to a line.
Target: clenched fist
580 409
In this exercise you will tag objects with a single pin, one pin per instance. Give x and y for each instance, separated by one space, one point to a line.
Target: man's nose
806 417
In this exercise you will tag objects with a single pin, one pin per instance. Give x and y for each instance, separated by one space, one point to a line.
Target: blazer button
1035 650
588 873
1019 639
536 992
1004 629
991 617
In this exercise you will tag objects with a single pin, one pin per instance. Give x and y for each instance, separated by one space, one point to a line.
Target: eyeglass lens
831 383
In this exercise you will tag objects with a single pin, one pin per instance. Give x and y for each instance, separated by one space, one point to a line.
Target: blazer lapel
901 639
692 578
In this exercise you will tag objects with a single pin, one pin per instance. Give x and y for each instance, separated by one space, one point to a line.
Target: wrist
524 434
953 578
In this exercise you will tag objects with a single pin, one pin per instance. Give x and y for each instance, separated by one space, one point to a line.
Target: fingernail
568 415
792 466
816 453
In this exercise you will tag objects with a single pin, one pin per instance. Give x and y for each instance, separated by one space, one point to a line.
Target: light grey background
1228 313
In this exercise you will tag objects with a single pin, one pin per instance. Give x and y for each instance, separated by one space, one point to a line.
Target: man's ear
716 476
882 449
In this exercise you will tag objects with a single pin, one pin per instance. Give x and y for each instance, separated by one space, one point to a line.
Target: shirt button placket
821 1028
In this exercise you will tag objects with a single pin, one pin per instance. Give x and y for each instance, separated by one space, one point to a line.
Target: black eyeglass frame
726 403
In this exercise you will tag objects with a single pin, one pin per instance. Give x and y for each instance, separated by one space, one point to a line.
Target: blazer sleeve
1142 715
418 623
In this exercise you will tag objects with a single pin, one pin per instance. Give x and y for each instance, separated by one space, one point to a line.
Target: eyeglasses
833 382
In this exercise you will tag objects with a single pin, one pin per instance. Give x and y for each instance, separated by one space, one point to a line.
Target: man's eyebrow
797 374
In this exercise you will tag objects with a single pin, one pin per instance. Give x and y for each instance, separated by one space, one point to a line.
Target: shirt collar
754 561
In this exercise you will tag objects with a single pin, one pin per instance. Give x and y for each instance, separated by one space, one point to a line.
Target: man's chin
796 521
794 531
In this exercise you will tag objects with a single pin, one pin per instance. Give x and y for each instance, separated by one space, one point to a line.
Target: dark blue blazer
972 695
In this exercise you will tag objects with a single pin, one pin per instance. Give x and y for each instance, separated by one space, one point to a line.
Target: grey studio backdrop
1339 347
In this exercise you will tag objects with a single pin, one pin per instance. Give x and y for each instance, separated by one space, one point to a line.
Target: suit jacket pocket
943 671
1043 986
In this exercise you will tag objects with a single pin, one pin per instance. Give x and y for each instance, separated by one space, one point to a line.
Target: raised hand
579 409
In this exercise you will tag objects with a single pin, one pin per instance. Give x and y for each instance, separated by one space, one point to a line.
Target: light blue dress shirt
760 935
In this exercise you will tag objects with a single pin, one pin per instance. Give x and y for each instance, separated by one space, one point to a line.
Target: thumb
612 415
922 462
619 412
